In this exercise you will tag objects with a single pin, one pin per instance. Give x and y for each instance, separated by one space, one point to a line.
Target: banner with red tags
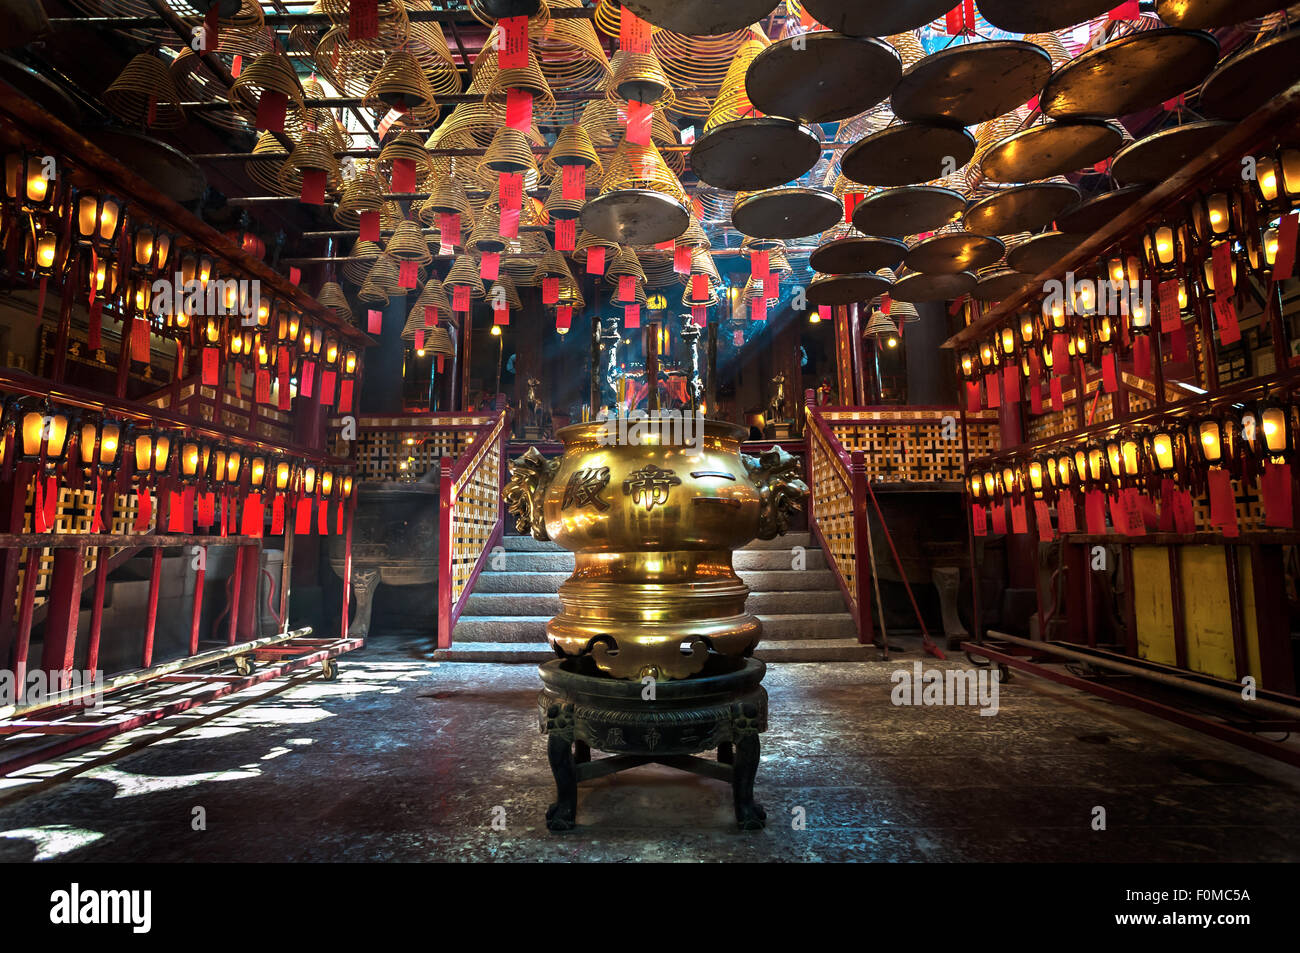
1276 489
566 234
638 122
1043 519
512 43
1066 517
370 226
519 109
596 260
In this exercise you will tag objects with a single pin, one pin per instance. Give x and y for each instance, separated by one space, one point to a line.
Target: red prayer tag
374 321
403 175
408 274
638 122
1011 384
448 232
363 19
519 109
327 388
682 256
1128 10
489 266
1223 502
633 32
1065 515
512 43
626 288
500 315
509 223
699 315
1094 511
1142 355
262 386
1043 517
370 226
270 111
1019 519
313 187
973 401
1170 319
596 260
1058 397
566 234
140 339
345 396
302 517
758 309
1284 262
1060 353
211 362
1222 264
295 275
771 285
1109 372
999 515
632 316
1276 488
758 265
512 190
307 379
430 316
563 317
551 290
277 515
1225 319
251 520
979 520
992 384
573 182
851 200
460 298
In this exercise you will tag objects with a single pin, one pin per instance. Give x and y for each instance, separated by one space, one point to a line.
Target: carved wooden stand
724 708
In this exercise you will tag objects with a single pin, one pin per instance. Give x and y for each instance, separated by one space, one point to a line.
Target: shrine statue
694 382
533 404
776 407
609 345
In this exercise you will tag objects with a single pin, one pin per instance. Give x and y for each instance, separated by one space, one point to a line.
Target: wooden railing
471 517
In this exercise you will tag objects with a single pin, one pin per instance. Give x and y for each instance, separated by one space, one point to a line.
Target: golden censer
653 507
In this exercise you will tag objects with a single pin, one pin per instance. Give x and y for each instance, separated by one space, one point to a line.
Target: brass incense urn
652 507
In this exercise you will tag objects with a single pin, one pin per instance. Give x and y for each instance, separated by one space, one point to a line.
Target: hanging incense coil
270 72
521 255
433 295
624 263
428 43
694 236
306 36
702 264
145 93
509 152
640 77
408 243
571 58
492 82
908 46
409 146
640 167
266 171
401 85
383 282
503 289
394 26
365 193
314 152
552 265
587 240
1052 45
557 206
573 146
465 272
350 67
697 66
332 296
359 263
988 134
485 237
482 12
658 269
447 197
733 102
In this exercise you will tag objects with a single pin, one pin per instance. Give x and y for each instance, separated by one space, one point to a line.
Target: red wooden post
97 607
60 648
26 605
446 546
236 578
862 565
196 612
347 564
245 609
151 617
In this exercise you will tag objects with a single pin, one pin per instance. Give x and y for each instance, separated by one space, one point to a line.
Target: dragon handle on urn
530 475
776 475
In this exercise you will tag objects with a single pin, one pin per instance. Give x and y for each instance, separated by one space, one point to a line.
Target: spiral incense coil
266 172
427 41
702 264
312 152
536 22
659 270
371 292
752 244
572 59
270 72
332 296
521 255
409 145
697 66
401 85
393 22
715 204
641 167
573 146
447 196
600 120
990 133
433 295
145 93
908 46
365 193
503 289
694 236
350 67
306 37
638 76
733 102
485 237
509 152
360 262
551 265
464 271
624 263
408 243
491 82
385 276
587 240
195 82
1052 45
557 206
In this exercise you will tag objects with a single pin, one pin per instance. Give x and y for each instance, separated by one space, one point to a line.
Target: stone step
821 650
498 628
809 627
788 541
818 602
812 627
759 580
561 561
526 544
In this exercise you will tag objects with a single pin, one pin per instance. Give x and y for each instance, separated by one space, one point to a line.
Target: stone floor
408 759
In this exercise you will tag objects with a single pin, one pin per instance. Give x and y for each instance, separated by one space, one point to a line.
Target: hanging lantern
152 452
967 363
345 489
990 484
103 277
1064 466
196 266
152 249
1008 340
31 182
99 217
1103 329
42 427
1036 471
1165 450
1215 216
256 471
44 253
326 483
1273 429
976 484
1207 270
1277 180
100 440
1212 438
1028 329
1165 246
1054 314
281 474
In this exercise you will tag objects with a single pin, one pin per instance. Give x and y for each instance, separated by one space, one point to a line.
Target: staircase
803 613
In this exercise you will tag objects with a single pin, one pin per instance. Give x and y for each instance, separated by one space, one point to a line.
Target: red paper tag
323 517
403 175
144 509
295 275
699 287
1060 353
1043 517
418 340
374 321
1128 10
345 396
211 362
1058 398
509 223
363 19
1065 515
563 317
512 43
633 32
550 290
460 298
851 200
302 516
699 315
999 515
1011 384
973 401
1134 523
277 516
313 187
489 266
772 285
979 520
992 385
1170 319
1223 502
1142 355
566 234
1094 511
682 256
1019 519
448 232
758 309
573 182
758 265
626 288
430 316
140 339
638 122
307 378
262 386
1222 264
251 521
596 260
327 388
1276 489
270 111
1225 319
1284 262
500 314
370 226
512 190
519 109
96 318
237 66
408 274
632 316
1109 372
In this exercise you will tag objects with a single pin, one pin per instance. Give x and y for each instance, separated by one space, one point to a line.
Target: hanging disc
1132 73
1053 148
635 217
1021 208
908 210
1017 16
751 154
1037 254
1208 14
837 76
846 289
954 251
857 253
908 153
785 213
701 17
972 83
1092 213
876 19
917 287
1248 79
1161 154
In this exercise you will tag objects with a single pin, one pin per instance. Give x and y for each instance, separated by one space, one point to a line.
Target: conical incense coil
332 296
408 244
880 326
504 290
624 264
266 172
492 82
270 72
383 282
464 272
693 237
552 265
360 262
350 67
587 240
989 134
909 48
702 264
447 197
639 77
401 85
659 271
733 102
485 237
1052 45
365 193
697 66
195 82
640 167
509 152
573 146
570 294
428 43
312 153
393 24
434 295
520 258
536 22
557 206
437 340
408 146
572 59
145 93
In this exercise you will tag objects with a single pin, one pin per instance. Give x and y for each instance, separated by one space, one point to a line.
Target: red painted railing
471 518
